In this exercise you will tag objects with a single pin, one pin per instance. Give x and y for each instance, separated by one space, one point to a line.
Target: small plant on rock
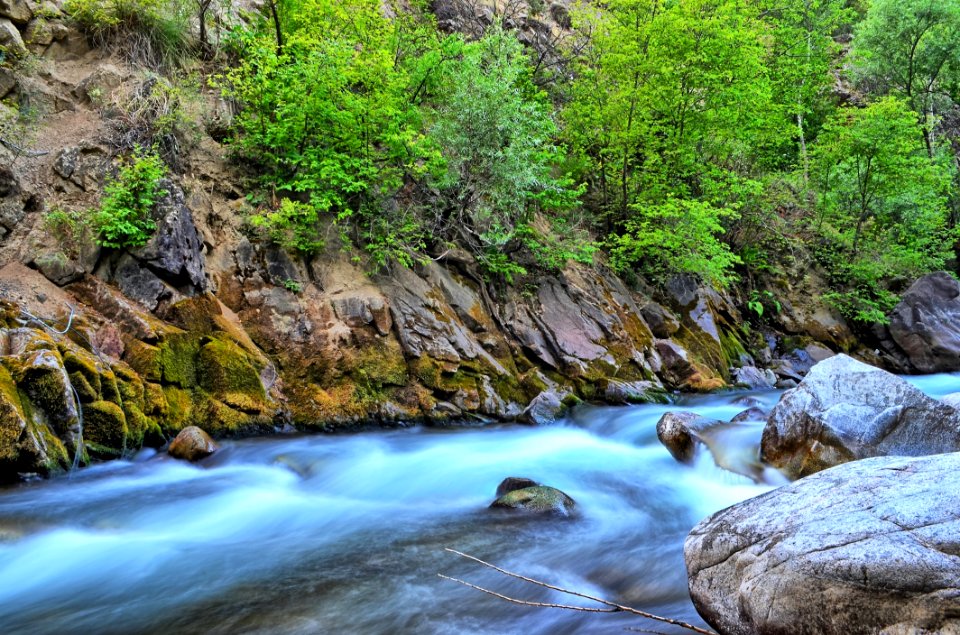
124 220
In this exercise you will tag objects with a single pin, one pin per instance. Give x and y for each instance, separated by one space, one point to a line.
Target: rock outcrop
926 323
845 410
867 547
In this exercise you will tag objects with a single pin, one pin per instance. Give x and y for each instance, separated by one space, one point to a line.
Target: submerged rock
926 323
867 547
846 410
539 500
733 445
192 444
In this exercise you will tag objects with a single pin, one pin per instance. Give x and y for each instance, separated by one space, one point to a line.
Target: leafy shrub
124 218
676 236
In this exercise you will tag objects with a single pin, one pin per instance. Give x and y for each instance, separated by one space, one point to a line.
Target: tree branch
613 606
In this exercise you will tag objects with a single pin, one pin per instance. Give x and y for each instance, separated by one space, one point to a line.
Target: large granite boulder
866 547
845 410
926 323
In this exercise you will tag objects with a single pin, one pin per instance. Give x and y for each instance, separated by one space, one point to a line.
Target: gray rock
634 392
846 410
545 408
139 283
7 81
539 500
755 378
677 431
751 414
662 322
867 547
16 10
512 483
175 250
38 34
10 39
926 323
952 400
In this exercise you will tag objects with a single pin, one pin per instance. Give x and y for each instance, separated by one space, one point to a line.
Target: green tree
803 53
911 48
671 106
496 132
882 204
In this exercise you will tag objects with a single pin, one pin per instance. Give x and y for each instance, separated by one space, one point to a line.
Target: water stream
345 534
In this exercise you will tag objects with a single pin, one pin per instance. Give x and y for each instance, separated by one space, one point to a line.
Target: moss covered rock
539 500
105 428
227 372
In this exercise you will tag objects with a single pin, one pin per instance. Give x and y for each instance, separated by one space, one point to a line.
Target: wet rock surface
846 410
866 547
538 499
192 444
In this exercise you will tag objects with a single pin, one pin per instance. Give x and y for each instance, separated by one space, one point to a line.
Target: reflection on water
345 534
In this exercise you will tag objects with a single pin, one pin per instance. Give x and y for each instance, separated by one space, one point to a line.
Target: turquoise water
345 534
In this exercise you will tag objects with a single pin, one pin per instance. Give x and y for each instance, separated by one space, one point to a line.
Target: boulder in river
678 432
846 410
926 323
866 547
539 499
192 444
513 483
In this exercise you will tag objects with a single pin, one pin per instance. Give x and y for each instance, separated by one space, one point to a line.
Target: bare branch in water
613 606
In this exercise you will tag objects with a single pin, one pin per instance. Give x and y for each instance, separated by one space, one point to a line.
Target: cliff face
211 326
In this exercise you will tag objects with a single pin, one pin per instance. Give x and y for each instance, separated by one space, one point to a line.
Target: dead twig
613 607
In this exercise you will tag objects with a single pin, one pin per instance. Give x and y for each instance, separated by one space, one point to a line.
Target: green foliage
882 205
151 32
761 301
496 134
911 48
676 236
72 229
124 218
293 226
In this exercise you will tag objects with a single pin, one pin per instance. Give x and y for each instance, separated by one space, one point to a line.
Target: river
346 533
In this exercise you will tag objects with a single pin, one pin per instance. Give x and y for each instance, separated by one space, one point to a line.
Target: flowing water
346 534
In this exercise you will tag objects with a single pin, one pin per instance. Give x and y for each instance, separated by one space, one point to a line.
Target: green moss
137 425
154 401
85 391
144 359
45 383
83 363
226 371
129 385
58 459
12 420
381 363
220 420
179 409
105 427
109 388
178 359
